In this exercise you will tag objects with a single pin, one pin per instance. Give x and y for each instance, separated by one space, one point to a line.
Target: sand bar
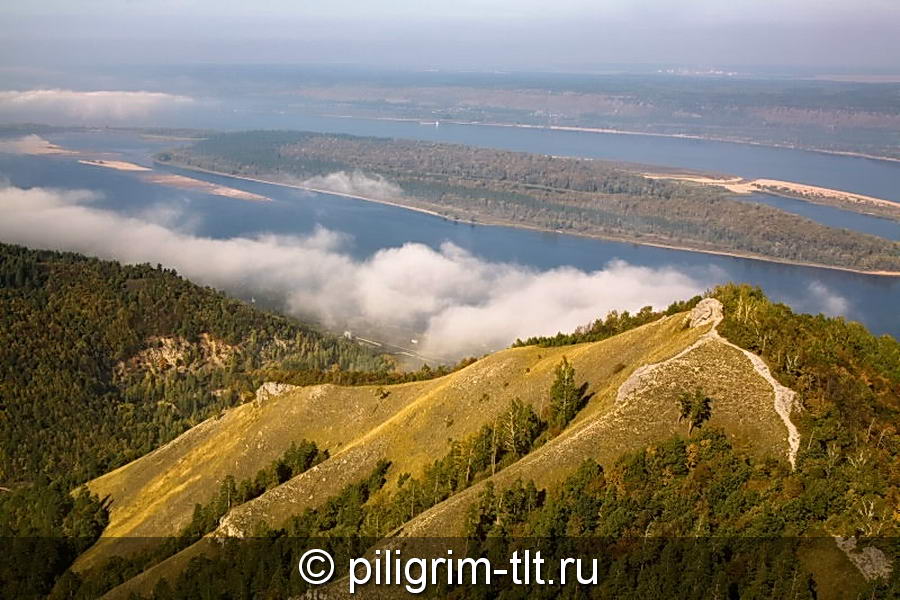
177 181
189 183
738 185
118 165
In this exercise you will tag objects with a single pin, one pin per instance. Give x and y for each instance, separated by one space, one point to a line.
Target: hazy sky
458 33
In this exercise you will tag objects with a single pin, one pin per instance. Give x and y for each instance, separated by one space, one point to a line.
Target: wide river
872 300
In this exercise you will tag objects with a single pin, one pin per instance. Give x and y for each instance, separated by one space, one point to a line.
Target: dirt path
709 311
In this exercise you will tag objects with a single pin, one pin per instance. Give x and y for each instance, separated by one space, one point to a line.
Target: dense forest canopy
570 195
102 362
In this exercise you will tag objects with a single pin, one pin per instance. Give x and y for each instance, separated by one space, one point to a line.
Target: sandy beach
188 183
738 185
176 181
118 165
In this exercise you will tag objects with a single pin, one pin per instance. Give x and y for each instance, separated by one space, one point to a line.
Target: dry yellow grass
414 424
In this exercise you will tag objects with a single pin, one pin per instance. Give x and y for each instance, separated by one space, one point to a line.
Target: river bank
609 131
502 223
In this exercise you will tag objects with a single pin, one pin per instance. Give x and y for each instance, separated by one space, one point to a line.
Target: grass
414 423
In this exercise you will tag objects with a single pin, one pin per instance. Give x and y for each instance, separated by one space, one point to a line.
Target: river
872 300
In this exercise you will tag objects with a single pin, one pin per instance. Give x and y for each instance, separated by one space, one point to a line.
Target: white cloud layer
95 105
464 305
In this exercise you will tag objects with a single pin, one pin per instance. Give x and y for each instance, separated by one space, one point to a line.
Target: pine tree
566 398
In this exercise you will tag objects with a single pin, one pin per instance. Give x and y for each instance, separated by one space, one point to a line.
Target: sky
468 34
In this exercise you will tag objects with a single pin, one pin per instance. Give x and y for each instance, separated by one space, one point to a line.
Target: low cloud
27 144
101 105
462 304
823 299
355 184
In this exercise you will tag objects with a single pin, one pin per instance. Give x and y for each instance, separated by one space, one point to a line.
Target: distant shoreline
603 130
494 223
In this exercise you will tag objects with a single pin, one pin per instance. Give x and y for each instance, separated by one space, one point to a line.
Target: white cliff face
871 562
708 311
270 389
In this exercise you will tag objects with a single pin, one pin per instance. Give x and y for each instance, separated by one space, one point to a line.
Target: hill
726 420
101 363
790 447
128 357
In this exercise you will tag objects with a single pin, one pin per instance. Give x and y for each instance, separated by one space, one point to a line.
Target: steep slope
423 418
127 356
101 363
642 409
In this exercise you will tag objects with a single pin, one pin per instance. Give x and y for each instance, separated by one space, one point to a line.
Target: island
561 194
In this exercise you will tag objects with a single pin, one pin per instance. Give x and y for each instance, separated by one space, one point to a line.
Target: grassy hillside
737 474
101 363
411 424
726 418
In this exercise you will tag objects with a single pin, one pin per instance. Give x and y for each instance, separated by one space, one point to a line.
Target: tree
566 399
696 407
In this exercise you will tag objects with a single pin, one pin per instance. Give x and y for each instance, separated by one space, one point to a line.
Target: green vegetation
614 324
672 521
512 435
101 363
45 529
356 517
849 384
265 565
338 377
695 408
570 195
83 351
296 460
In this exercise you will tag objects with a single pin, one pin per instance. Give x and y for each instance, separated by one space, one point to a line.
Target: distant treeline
614 323
571 195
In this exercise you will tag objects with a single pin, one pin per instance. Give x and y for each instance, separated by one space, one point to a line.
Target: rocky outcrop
270 389
707 312
173 352
871 562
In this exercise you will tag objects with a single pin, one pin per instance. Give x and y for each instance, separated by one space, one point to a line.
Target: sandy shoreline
188 183
543 230
803 191
176 181
118 165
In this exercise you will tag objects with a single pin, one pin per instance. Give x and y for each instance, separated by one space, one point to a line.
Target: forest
86 384
716 518
102 362
568 195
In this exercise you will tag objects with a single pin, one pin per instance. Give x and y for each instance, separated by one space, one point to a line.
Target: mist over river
368 227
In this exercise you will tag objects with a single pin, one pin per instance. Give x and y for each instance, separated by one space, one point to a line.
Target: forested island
561 194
